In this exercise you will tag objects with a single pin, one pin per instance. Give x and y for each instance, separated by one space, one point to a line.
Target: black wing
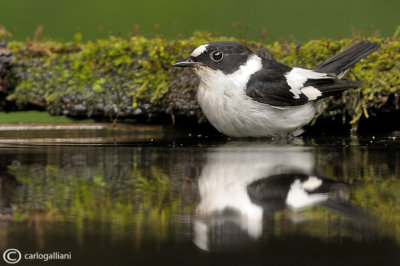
270 86
271 194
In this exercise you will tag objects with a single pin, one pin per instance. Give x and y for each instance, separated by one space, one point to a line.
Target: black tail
349 210
339 63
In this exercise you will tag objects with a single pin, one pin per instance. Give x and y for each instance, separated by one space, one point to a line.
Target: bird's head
226 56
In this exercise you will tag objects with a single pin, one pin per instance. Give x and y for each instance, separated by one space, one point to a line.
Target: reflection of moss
115 75
56 194
371 197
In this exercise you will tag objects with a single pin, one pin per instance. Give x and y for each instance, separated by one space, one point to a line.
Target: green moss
123 72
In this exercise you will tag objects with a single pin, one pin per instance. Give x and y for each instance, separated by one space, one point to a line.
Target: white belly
235 114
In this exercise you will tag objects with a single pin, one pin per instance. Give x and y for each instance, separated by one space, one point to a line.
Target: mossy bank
119 78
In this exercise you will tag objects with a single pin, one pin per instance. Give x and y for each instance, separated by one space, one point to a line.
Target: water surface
197 201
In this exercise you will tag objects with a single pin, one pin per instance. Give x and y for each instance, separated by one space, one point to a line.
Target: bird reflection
241 185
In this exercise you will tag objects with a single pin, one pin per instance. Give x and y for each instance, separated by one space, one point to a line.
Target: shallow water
156 200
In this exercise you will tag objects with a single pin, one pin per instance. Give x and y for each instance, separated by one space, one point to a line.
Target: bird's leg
289 138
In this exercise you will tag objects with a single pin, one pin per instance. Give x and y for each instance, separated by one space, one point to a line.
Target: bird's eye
216 56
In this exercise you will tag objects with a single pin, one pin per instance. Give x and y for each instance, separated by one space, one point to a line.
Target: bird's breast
222 104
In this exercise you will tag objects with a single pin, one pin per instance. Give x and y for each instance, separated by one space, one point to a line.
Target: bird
245 95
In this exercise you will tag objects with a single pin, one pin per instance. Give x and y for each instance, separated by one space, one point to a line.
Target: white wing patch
311 92
199 50
298 197
298 76
312 183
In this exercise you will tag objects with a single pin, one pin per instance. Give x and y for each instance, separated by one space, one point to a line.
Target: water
162 200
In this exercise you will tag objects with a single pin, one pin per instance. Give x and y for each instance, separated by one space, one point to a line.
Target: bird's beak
188 62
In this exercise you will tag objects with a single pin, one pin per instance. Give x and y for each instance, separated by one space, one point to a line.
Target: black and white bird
241 184
245 95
